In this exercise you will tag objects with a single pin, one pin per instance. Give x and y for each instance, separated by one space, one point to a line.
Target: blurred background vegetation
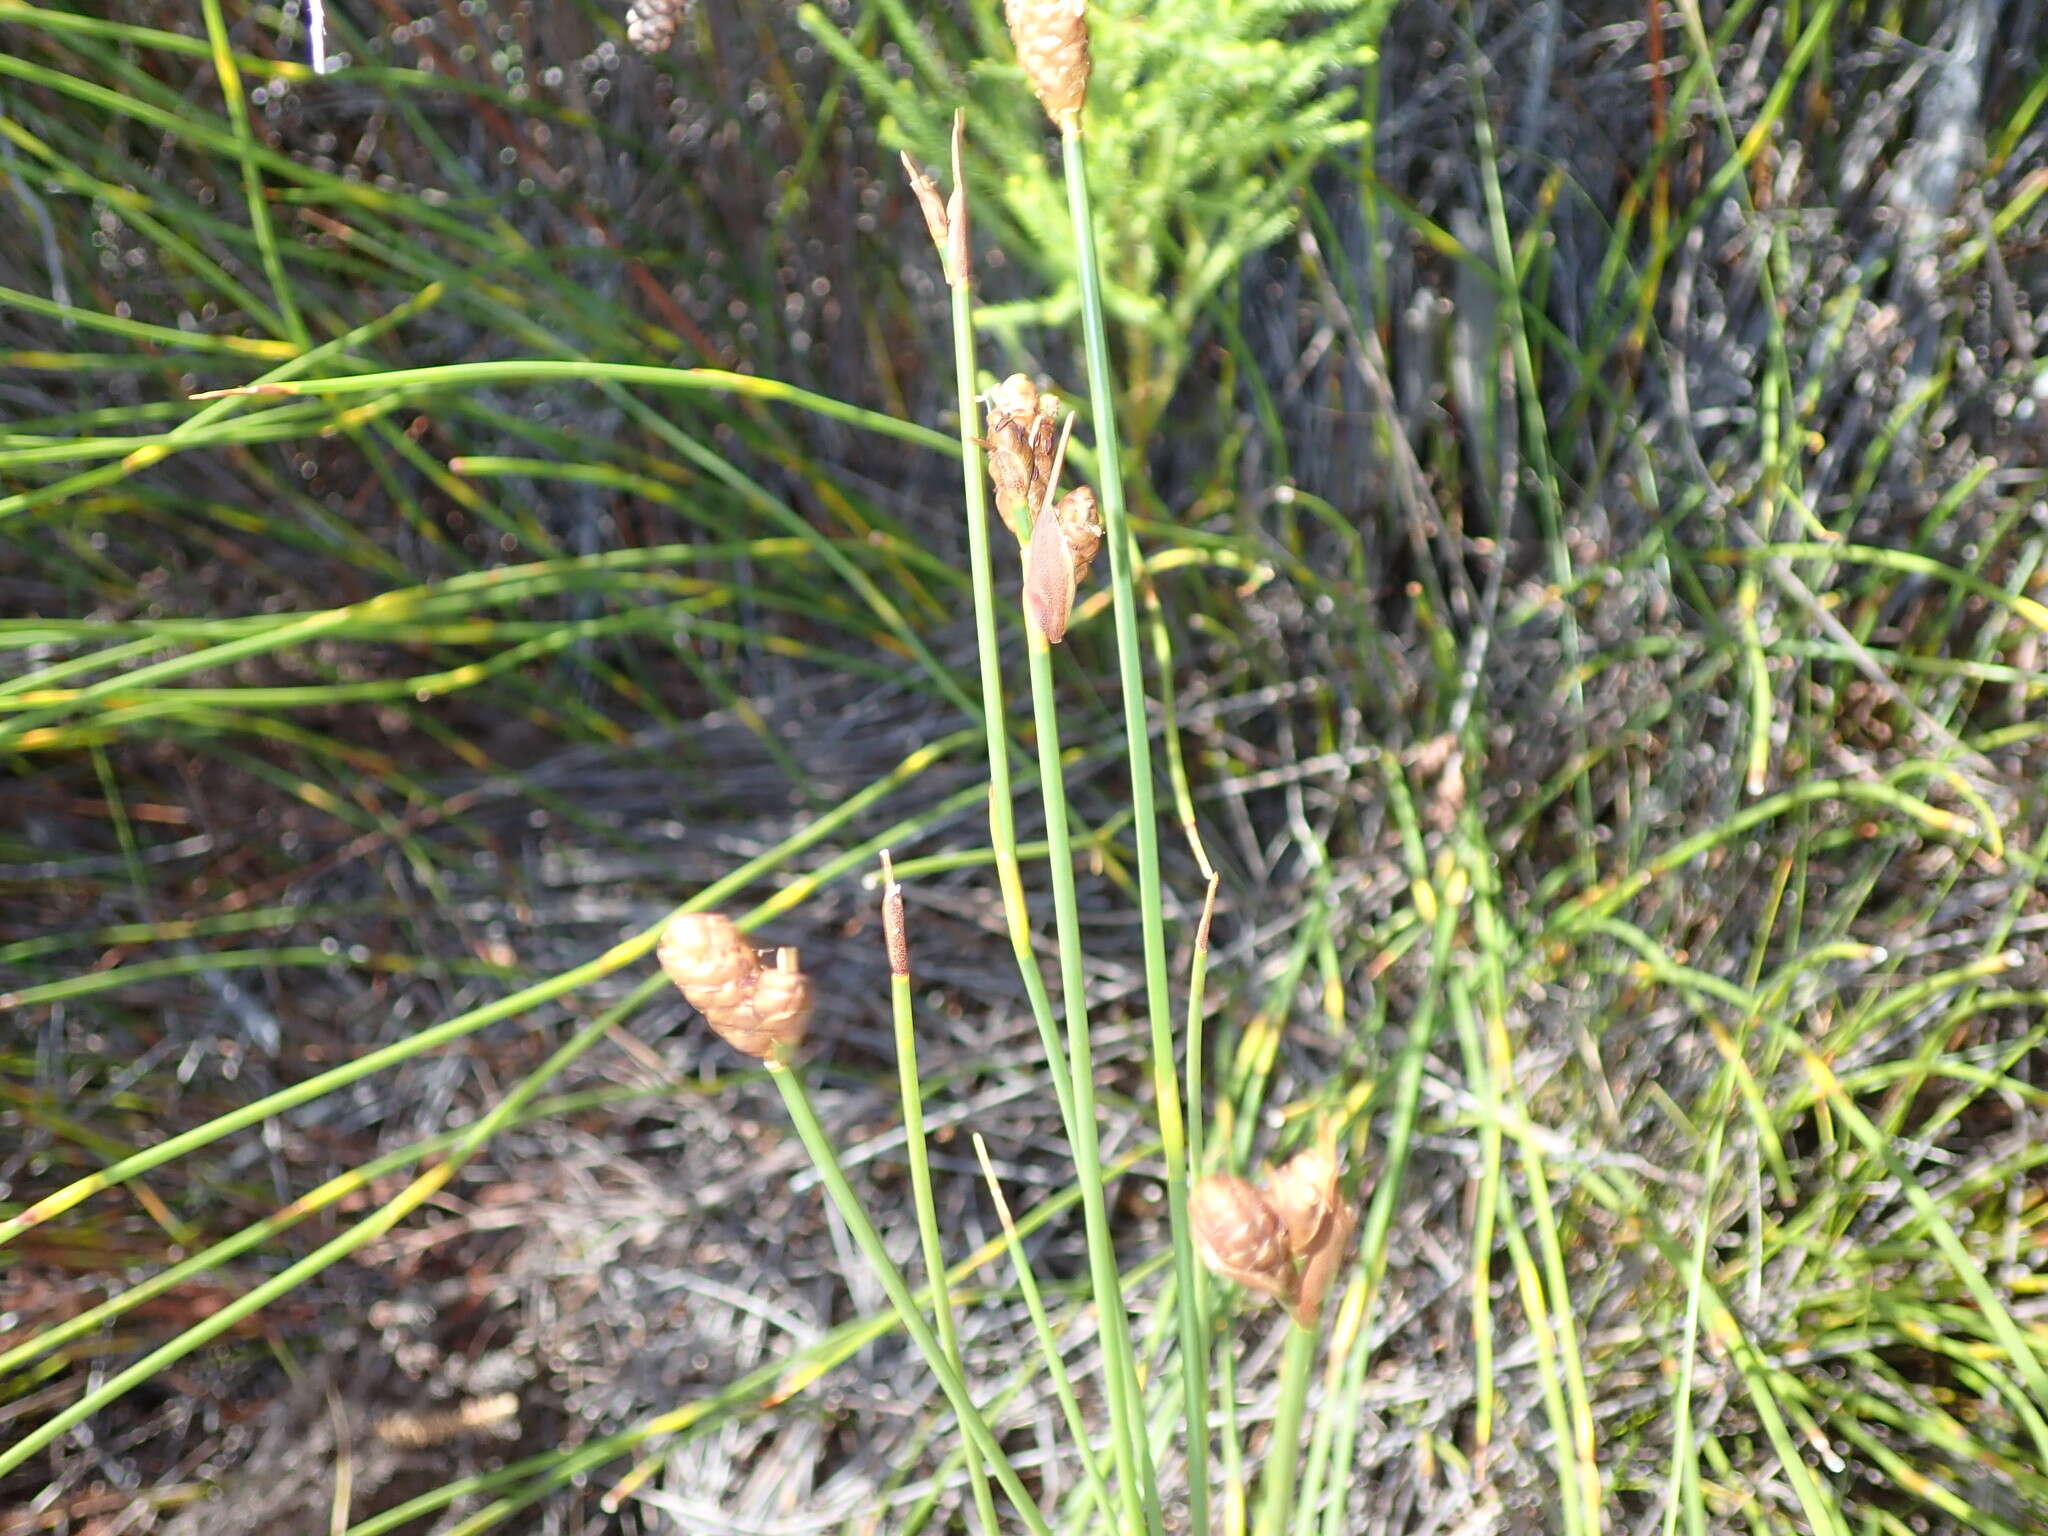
1589 464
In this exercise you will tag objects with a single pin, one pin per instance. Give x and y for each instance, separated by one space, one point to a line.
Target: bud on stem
894 938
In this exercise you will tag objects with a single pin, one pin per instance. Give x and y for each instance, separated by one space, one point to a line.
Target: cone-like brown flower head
1022 440
1063 544
651 25
1304 1192
760 1010
1241 1236
1051 37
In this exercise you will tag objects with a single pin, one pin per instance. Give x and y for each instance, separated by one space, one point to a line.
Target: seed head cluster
1286 1240
759 1001
651 25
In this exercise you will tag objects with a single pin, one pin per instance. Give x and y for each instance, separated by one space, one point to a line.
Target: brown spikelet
894 937
932 203
1048 579
1241 1237
1051 37
1022 440
1081 521
760 1010
946 218
1064 540
1305 1194
651 25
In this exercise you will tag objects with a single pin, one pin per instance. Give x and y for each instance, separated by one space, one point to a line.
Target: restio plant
1287 1239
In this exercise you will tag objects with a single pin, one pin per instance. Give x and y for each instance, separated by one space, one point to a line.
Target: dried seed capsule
1304 1192
782 1001
1241 1237
1022 440
1051 37
651 25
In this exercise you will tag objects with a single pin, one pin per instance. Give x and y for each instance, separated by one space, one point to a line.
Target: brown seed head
651 25
761 1011
894 939
1305 1193
780 1009
1051 37
705 951
1241 1237
1081 521
1064 540
1022 440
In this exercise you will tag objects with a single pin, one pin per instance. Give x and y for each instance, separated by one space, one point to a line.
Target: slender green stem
869 1241
1145 826
1283 1451
1120 1372
229 76
911 1088
1002 811
1048 1346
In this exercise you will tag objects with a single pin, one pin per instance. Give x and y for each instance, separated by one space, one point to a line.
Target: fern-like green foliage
1203 118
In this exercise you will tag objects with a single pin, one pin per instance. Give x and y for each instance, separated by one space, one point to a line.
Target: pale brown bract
1064 542
1023 439
1304 1192
1241 1237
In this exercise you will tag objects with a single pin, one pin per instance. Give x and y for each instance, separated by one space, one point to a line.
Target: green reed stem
1283 1451
1130 669
1002 812
1048 1346
1119 1366
911 1087
869 1241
